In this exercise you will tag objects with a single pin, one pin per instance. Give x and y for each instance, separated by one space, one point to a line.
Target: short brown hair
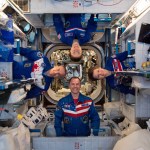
90 73
74 78
74 58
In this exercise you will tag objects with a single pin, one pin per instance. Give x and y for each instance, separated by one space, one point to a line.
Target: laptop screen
144 35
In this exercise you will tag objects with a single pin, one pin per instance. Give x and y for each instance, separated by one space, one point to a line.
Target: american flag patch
39 54
59 36
75 3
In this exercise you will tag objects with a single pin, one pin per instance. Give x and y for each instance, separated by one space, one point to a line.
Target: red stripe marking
117 65
75 115
81 108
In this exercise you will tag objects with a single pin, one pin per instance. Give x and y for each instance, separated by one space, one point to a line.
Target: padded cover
138 140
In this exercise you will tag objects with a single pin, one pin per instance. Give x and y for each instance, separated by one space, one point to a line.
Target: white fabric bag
138 140
15 139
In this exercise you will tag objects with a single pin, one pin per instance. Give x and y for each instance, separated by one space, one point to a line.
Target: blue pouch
6 53
7 36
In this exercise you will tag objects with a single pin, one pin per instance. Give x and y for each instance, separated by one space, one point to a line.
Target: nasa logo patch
67 24
58 108
39 54
66 120
85 119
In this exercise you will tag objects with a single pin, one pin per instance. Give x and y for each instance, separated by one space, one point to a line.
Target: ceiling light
141 6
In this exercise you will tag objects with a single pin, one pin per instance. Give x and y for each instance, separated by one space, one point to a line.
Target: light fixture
140 6
3 16
2 2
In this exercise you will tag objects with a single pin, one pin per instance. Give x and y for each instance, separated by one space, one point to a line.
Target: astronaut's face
57 72
76 50
75 85
100 73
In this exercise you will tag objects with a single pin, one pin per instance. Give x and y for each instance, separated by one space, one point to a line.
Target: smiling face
75 86
57 72
100 73
76 50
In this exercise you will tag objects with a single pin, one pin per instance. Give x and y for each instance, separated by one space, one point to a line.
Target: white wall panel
52 6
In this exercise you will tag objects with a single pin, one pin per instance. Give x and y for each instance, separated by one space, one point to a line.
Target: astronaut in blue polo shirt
73 33
36 66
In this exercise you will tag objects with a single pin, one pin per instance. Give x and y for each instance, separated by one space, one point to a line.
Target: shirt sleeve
34 92
95 120
121 88
85 39
125 89
122 56
30 54
59 26
58 120
91 27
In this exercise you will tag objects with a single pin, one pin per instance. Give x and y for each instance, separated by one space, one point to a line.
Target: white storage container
74 143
